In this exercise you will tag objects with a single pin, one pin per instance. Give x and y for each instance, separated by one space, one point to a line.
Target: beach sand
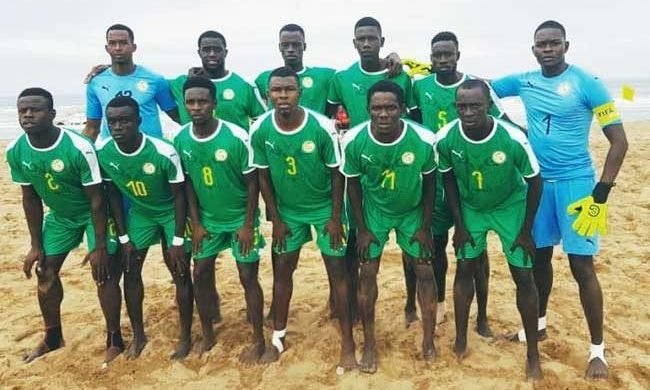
313 340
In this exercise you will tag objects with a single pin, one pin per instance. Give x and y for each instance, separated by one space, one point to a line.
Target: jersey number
208 180
442 119
291 169
51 184
479 179
388 180
547 119
126 92
137 187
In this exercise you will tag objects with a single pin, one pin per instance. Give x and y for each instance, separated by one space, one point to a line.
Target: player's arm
198 230
393 63
94 71
176 249
334 226
617 149
461 234
280 229
127 249
174 115
423 235
364 236
525 237
415 114
246 234
166 101
33 207
91 129
99 257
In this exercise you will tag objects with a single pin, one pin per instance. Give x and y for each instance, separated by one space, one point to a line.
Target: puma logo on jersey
457 154
27 164
270 144
105 87
356 86
114 165
369 158
429 95
188 153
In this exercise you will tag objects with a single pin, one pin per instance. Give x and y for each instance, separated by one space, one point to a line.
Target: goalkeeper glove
592 211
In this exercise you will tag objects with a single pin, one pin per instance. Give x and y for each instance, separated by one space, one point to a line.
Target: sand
313 339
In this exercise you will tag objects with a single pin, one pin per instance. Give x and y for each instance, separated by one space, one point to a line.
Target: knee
424 273
46 279
582 268
247 278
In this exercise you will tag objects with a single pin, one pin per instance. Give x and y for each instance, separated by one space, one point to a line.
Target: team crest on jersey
149 168
408 158
498 157
221 155
228 94
308 147
57 165
307 82
142 86
563 89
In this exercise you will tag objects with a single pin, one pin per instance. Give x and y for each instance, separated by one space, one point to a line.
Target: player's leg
440 265
463 296
133 297
367 297
410 312
203 275
481 283
527 304
352 267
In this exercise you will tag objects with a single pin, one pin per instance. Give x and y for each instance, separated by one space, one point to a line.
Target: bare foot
182 350
252 354
270 355
410 316
40 350
533 369
111 353
368 363
206 344
483 328
460 349
135 349
429 353
348 361
597 369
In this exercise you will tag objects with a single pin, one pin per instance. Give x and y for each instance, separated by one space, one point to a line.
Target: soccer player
59 168
390 165
239 102
434 106
147 171
491 177
561 100
314 81
296 153
125 78
222 194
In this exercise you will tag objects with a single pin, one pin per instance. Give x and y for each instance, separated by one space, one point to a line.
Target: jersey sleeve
261 82
415 95
256 105
430 163
15 170
93 105
330 146
507 86
408 92
334 90
172 166
178 145
164 96
442 153
525 159
88 166
350 165
496 109
598 99
258 148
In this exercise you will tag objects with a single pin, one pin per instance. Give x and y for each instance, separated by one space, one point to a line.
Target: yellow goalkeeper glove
416 67
592 212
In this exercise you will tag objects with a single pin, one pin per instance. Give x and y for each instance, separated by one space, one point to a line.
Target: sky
53 44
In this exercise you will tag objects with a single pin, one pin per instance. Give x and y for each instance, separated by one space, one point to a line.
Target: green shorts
218 240
145 231
405 227
442 219
506 222
301 234
62 234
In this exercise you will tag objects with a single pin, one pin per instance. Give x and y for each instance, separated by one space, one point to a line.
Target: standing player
296 153
147 171
390 165
124 78
492 180
222 194
434 106
239 102
59 168
561 100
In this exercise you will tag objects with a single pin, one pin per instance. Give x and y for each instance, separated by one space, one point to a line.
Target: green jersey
350 88
217 165
490 172
58 173
437 102
314 83
144 175
299 163
237 101
390 174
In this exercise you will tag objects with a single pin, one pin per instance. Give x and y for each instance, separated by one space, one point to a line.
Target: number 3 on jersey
292 169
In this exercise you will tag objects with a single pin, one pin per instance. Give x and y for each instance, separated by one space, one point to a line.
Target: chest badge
308 146
307 82
498 157
220 155
408 158
142 86
149 168
228 94
57 165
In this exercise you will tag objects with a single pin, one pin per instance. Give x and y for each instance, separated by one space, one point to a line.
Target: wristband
124 239
601 192
178 241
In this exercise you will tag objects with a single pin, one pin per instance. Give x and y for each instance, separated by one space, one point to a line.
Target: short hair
551 24
445 36
292 27
386 86
36 91
200 82
367 21
476 83
123 28
211 34
124 101
284 71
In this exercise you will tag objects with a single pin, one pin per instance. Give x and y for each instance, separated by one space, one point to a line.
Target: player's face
444 57
368 41
472 106
385 112
119 46
34 115
284 93
199 105
550 47
123 122
213 53
292 45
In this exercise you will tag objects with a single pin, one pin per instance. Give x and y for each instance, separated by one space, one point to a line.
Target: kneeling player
486 163
148 172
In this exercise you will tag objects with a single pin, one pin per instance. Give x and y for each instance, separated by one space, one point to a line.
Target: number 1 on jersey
547 119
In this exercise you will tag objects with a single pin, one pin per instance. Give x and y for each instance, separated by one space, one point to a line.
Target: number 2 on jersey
292 169
388 180
208 180
138 188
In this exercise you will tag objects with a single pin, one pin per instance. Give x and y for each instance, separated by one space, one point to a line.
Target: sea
71 108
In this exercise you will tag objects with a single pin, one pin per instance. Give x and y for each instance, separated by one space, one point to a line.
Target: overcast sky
53 43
